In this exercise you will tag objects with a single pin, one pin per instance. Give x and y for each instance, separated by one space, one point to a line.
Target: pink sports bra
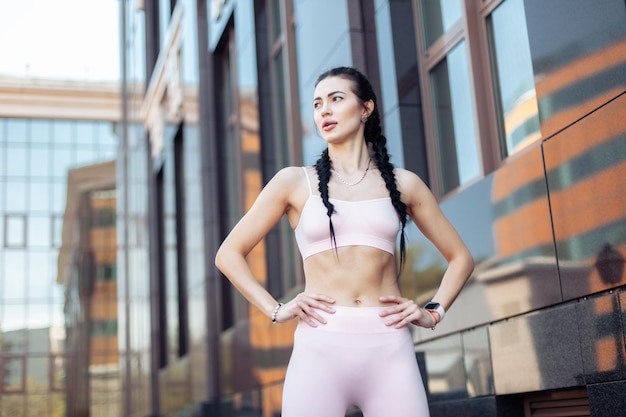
372 223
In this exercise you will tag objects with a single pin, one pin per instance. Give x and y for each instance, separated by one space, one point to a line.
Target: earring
363 119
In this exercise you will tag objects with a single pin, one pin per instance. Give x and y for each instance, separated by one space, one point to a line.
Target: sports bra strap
308 181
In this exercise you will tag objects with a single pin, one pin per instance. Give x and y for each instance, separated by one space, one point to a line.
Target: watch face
431 306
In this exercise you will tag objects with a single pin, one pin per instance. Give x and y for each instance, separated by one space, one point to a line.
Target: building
59 353
511 111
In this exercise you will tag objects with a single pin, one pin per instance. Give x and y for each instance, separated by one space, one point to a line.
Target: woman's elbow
219 258
469 262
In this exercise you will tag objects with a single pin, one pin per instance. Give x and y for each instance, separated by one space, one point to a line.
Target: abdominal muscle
354 276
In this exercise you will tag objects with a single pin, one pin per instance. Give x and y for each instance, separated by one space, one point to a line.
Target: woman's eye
337 98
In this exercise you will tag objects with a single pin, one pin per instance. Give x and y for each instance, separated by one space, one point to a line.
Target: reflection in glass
58 196
62 161
13 374
15 235
13 322
438 16
85 132
455 133
16 131
15 195
37 374
39 276
38 198
39 231
62 131
445 370
85 156
518 119
17 162
36 298
40 131
39 162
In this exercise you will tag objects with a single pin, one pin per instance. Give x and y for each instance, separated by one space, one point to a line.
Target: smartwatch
436 308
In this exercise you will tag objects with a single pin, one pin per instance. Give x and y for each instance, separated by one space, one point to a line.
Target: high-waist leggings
353 360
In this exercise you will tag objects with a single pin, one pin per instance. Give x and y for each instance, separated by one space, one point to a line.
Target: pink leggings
353 360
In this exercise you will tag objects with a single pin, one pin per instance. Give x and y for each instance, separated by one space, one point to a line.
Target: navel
357 302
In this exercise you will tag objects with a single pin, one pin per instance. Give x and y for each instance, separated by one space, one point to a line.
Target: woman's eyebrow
332 93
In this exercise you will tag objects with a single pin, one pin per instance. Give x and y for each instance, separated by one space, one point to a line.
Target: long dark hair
377 143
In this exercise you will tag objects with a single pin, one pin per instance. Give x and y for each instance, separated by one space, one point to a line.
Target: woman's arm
269 207
424 210
428 217
276 198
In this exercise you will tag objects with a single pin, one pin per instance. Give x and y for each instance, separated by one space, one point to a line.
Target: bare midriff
354 276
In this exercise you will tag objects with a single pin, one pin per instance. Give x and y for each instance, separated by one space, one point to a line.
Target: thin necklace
352 184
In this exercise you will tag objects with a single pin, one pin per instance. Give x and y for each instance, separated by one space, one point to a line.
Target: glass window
13 323
455 132
86 132
13 343
12 374
516 101
39 231
37 372
62 161
62 131
16 160
57 230
438 16
39 197
40 131
15 231
86 155
38 325
39 162
39 277
17 130
106 133
104 328
59 196
58 372
13 287
107 272
15 195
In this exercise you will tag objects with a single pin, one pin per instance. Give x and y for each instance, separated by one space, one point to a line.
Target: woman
352 346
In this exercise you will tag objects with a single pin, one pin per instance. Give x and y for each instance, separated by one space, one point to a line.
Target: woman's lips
329 125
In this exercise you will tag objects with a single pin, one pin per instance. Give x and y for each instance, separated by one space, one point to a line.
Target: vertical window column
181 243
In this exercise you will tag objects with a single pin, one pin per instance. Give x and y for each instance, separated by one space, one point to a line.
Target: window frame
471 28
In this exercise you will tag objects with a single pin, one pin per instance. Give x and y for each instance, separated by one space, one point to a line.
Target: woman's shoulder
406 177
290 177
290 173
409 183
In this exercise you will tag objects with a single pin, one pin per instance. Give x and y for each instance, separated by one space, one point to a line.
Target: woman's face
337 110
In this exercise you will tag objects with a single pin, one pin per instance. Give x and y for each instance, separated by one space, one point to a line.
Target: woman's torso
361 266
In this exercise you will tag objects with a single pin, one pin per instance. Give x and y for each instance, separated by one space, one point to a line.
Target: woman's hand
405 311
304 306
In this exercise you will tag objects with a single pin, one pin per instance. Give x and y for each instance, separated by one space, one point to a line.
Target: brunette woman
352 345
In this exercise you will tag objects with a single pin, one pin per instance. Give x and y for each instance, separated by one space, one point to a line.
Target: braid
374 136
378 145
322 167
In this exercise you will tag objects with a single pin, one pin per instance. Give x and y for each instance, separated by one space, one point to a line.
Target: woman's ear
368 108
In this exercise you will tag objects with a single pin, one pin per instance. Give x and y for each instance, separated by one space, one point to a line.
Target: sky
60 39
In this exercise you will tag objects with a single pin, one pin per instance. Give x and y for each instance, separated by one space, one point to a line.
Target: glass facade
511 111
508 109
59 350
518 114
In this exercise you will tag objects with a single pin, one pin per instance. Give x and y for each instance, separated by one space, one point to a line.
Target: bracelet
432 313
278 306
